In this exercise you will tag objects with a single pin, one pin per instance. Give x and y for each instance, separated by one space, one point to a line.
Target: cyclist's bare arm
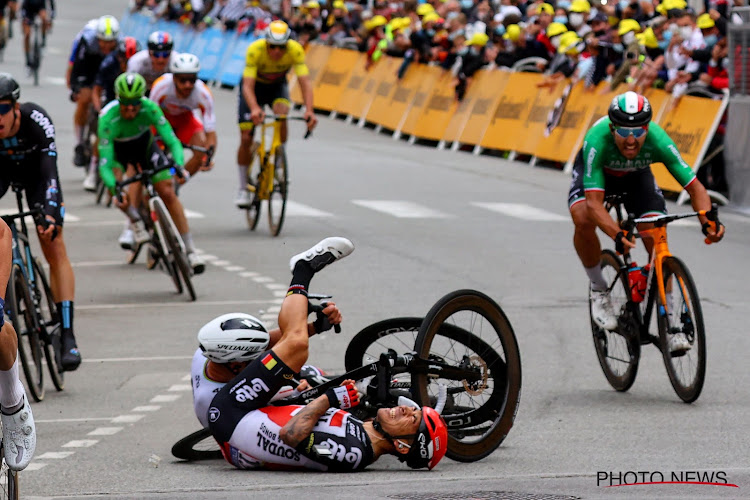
307 96
96 97
602 219
700 200
248 92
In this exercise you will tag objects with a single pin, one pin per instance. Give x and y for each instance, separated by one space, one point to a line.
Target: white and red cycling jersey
179 111
140 62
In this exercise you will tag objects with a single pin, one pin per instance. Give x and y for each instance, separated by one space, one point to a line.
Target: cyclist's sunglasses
276 47
186 79
625 132
161 54
129 102
6 108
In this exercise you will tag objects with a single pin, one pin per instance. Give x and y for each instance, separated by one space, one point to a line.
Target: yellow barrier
501 110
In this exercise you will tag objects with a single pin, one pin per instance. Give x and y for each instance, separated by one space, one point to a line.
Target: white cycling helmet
233 337
107 28
185 64
277 33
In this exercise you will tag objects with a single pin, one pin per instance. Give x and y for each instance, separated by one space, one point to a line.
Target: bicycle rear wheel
8 481
22 316
252 213
53 328
200 445
468 330
618 352
277 196
178 259
687 372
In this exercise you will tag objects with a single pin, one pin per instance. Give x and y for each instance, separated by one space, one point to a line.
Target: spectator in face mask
681 68
469 62
579 16
519 46
551 38
629 48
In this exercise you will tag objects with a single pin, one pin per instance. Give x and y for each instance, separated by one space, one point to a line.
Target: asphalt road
424 223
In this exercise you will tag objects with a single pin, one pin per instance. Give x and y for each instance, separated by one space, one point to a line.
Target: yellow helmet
580 6
512 33
424 8
545 8
705 21
277 33
568 42
648 39
479 39
555 29
627 25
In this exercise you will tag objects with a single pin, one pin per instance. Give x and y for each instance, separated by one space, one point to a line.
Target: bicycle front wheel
683 315
366 346
52 326
277 196
618 351
23 317
468 330
179 260
252 213
36 56
8 481
200 445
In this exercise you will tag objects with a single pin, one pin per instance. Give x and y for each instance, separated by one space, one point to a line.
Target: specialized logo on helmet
213 414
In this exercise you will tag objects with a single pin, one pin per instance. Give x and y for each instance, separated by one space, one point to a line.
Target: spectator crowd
646 43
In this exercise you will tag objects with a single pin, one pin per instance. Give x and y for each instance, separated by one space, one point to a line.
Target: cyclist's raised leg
190 131
281 108
19 433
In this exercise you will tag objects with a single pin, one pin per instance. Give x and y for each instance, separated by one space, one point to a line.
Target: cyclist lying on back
318 436
616 157
125 140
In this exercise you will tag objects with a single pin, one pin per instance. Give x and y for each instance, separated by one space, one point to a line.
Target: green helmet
130 86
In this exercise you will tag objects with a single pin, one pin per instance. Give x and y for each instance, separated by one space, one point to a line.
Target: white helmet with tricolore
233 337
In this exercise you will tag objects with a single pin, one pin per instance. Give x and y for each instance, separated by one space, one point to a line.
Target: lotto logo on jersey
249 392
340 453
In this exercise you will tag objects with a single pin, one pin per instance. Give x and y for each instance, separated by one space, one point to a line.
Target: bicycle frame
24 259
265 181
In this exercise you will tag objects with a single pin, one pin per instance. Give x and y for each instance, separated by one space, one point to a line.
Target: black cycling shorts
252 389
30 9
266 94
639 189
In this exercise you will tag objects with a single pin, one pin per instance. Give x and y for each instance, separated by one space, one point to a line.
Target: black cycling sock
301 277
65 309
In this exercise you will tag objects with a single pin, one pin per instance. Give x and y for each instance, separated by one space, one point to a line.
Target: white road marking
248 274
220 262
234 269
180 387
55 80
148 407
521 211
99 263
127 419
80 443
402 209
54 455
165 398
279 293
295 209
208 257
192 214
105 431
141 305
269 317
273 309
65 420
262 279
34 466
276 286
128 360
186 378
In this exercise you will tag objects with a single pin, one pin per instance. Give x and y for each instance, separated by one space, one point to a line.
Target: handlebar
278 118
209 151
318 309
146 174
662 220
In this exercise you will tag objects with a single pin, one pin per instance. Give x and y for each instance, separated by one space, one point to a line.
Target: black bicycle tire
100 190
359 344
625 381
28 338
37 56
673 265
252 212
10 485
185 448
54 364
472 300
179 257
283 189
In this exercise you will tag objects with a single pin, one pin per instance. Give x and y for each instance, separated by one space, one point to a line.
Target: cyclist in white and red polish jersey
318 436
178 94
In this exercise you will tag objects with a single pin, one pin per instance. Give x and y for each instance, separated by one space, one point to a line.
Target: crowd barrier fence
501 110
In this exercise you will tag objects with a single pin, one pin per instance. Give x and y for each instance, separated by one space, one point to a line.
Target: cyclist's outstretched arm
604 221
164 129
700 200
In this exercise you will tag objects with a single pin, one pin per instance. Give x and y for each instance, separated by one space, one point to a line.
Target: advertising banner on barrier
211 48
360 89
437 112
333 78
567 137
421 97
490 89
380 112
508 127
234 65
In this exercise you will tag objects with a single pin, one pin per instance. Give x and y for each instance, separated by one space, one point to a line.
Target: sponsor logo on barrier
401 94
355 82
508 109
384 89
687 142
481 107
330 77
440 102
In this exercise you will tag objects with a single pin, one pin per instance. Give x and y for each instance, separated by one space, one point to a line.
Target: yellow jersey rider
264 83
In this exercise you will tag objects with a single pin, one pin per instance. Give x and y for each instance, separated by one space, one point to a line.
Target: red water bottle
637 280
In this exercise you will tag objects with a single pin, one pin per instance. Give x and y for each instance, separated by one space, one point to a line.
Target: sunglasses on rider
625 132
161 54
276 47
186 79
6 108
129 102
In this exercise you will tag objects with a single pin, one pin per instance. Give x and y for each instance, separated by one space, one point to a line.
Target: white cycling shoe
325 252
196 262
19 437
89 183
244 199
602 310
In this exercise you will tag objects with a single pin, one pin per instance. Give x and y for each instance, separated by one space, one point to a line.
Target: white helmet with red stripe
630 110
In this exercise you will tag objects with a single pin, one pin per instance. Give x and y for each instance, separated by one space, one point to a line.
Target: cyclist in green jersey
125 140
616 157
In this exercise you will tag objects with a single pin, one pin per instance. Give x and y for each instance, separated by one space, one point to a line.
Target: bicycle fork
152 203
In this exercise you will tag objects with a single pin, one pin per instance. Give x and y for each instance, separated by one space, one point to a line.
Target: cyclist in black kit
28 155
29 10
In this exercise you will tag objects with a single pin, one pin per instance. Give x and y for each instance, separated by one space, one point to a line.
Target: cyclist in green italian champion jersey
616 157
125 140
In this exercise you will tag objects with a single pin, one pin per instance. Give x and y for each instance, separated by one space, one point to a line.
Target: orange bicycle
666 286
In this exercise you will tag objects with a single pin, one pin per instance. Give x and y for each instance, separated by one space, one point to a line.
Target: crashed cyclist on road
318 436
